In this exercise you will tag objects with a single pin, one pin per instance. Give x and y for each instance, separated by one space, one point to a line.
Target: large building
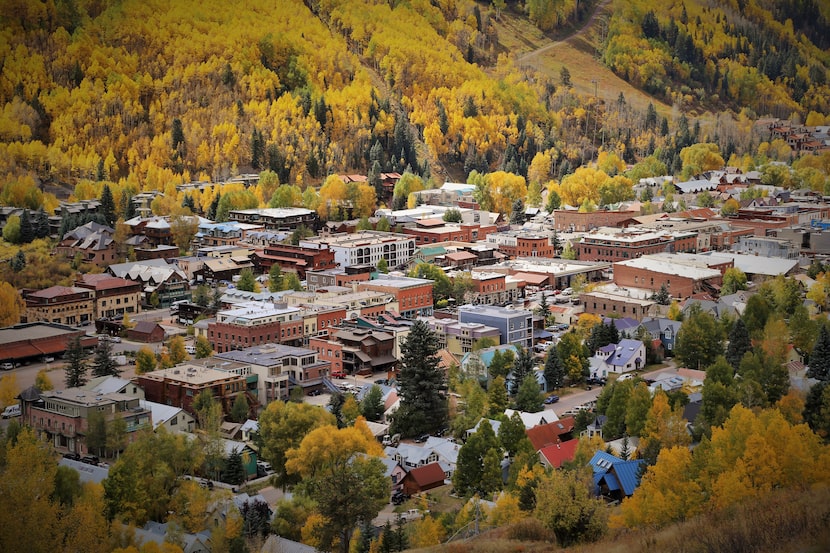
179 386
28 341
224 234
62 416
282 218
515 325
280 368
572 220
160 281
93 242
255 323
459 338
432 231
113 296
521 243
682 274
294 259
366 351
365 247
413 295
68 305
630 243
608 304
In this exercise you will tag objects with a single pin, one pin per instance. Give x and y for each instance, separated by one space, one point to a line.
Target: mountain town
316 284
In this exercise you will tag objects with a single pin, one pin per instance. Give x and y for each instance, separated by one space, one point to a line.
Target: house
411 456
93 241
628 355
662 329
146 331
554 455
170 417
595 428
394 471
158 278
113 296
552 433
180 385
277 544
158 532
531 420
422 479
613 477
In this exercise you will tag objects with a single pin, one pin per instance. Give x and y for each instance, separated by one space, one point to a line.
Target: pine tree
372 405
76 366
529 396
27 231
103 364
544 308
214 206
129 209
41 224
522 368
234 472
554 369
108 205
18 262
423 406
240 408
820 358
739 344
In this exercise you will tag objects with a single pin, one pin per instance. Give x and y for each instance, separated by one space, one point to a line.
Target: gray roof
277 544
88 473
758 265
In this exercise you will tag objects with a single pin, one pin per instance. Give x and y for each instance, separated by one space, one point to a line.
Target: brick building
515 325
294 259
523 244
413 295
606 304
365 247
574 221
255 323
366 351
69 305
681 275
329 351
113 296
93 241
282 218
431 231
630 243
62 416
179 386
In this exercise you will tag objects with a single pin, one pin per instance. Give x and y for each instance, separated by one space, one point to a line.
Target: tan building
69 305
113 296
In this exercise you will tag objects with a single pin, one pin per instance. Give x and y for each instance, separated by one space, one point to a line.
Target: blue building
515 325
615 478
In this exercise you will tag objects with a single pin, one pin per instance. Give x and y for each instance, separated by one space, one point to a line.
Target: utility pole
596 111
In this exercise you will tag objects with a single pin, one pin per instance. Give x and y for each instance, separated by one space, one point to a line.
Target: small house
423 478
146 331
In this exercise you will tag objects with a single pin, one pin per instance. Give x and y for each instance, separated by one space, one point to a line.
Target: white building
365 247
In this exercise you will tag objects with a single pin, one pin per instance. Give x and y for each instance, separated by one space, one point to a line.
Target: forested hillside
770 56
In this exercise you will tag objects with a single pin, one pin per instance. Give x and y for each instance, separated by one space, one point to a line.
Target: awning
542 334
362 356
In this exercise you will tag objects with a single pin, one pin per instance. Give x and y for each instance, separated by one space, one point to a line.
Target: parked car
338 374
116 339
191 349
7 366
551 399
11 411
48 359
90 460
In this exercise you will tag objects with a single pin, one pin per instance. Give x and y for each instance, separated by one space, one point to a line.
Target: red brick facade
677 285
527 246
294 259
567 220
224 337
427 233
414 299
329 351
180 390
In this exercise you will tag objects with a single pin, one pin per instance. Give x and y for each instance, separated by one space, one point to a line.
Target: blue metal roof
628 474
616 473
611 481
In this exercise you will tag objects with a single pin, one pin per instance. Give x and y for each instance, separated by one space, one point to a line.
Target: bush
530 529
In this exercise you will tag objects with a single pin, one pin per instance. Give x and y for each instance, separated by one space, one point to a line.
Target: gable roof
532 419
427 475
625 352
615 473
556 454
549 434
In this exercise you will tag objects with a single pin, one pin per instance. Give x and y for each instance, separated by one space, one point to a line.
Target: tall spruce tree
423 389
27 231
103 364
214 207
739 344
108 205
76 366
522 368
554 369
820 358
41 224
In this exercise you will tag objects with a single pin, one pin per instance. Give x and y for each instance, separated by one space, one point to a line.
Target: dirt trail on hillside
597 9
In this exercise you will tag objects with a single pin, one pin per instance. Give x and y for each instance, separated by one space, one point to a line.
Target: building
68 305
92 241
171 418
515 325
572 220
366 351
614 478
540 272
459 338
413 295
294 259
224 234
338 277
62 416
147 331
155 252
626 356
114 296
179 386
618 304
431 231
279 369
29 341
283 218
491 288
223 268
630 243
767 246
365 247
255 323
682 276
162 283
522 243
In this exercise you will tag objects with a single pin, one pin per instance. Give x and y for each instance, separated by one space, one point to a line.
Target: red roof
557 454
549 434
54 292
104 281
427 475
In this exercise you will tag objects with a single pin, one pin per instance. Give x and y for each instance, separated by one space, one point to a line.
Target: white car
191 349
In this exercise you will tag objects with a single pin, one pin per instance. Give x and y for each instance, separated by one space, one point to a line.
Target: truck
392 441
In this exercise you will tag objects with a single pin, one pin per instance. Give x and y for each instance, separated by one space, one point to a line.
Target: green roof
435 250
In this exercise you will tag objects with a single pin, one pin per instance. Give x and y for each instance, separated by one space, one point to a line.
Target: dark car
90 460
422 438
551 399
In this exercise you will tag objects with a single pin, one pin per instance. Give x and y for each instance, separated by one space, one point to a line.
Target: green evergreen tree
275 279
544 308
512 433
214 207
529 396
27 231
522 368
108 205
383 266
615 414
497 399
234 471
469 470
102 363
240 408
820 358
554 369
18 262
739 344
817 409
423 390
517 214
491 479
76 367
699 340
41 224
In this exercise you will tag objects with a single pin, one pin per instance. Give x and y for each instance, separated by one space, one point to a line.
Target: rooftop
664 266
33 331
190 374
267 355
